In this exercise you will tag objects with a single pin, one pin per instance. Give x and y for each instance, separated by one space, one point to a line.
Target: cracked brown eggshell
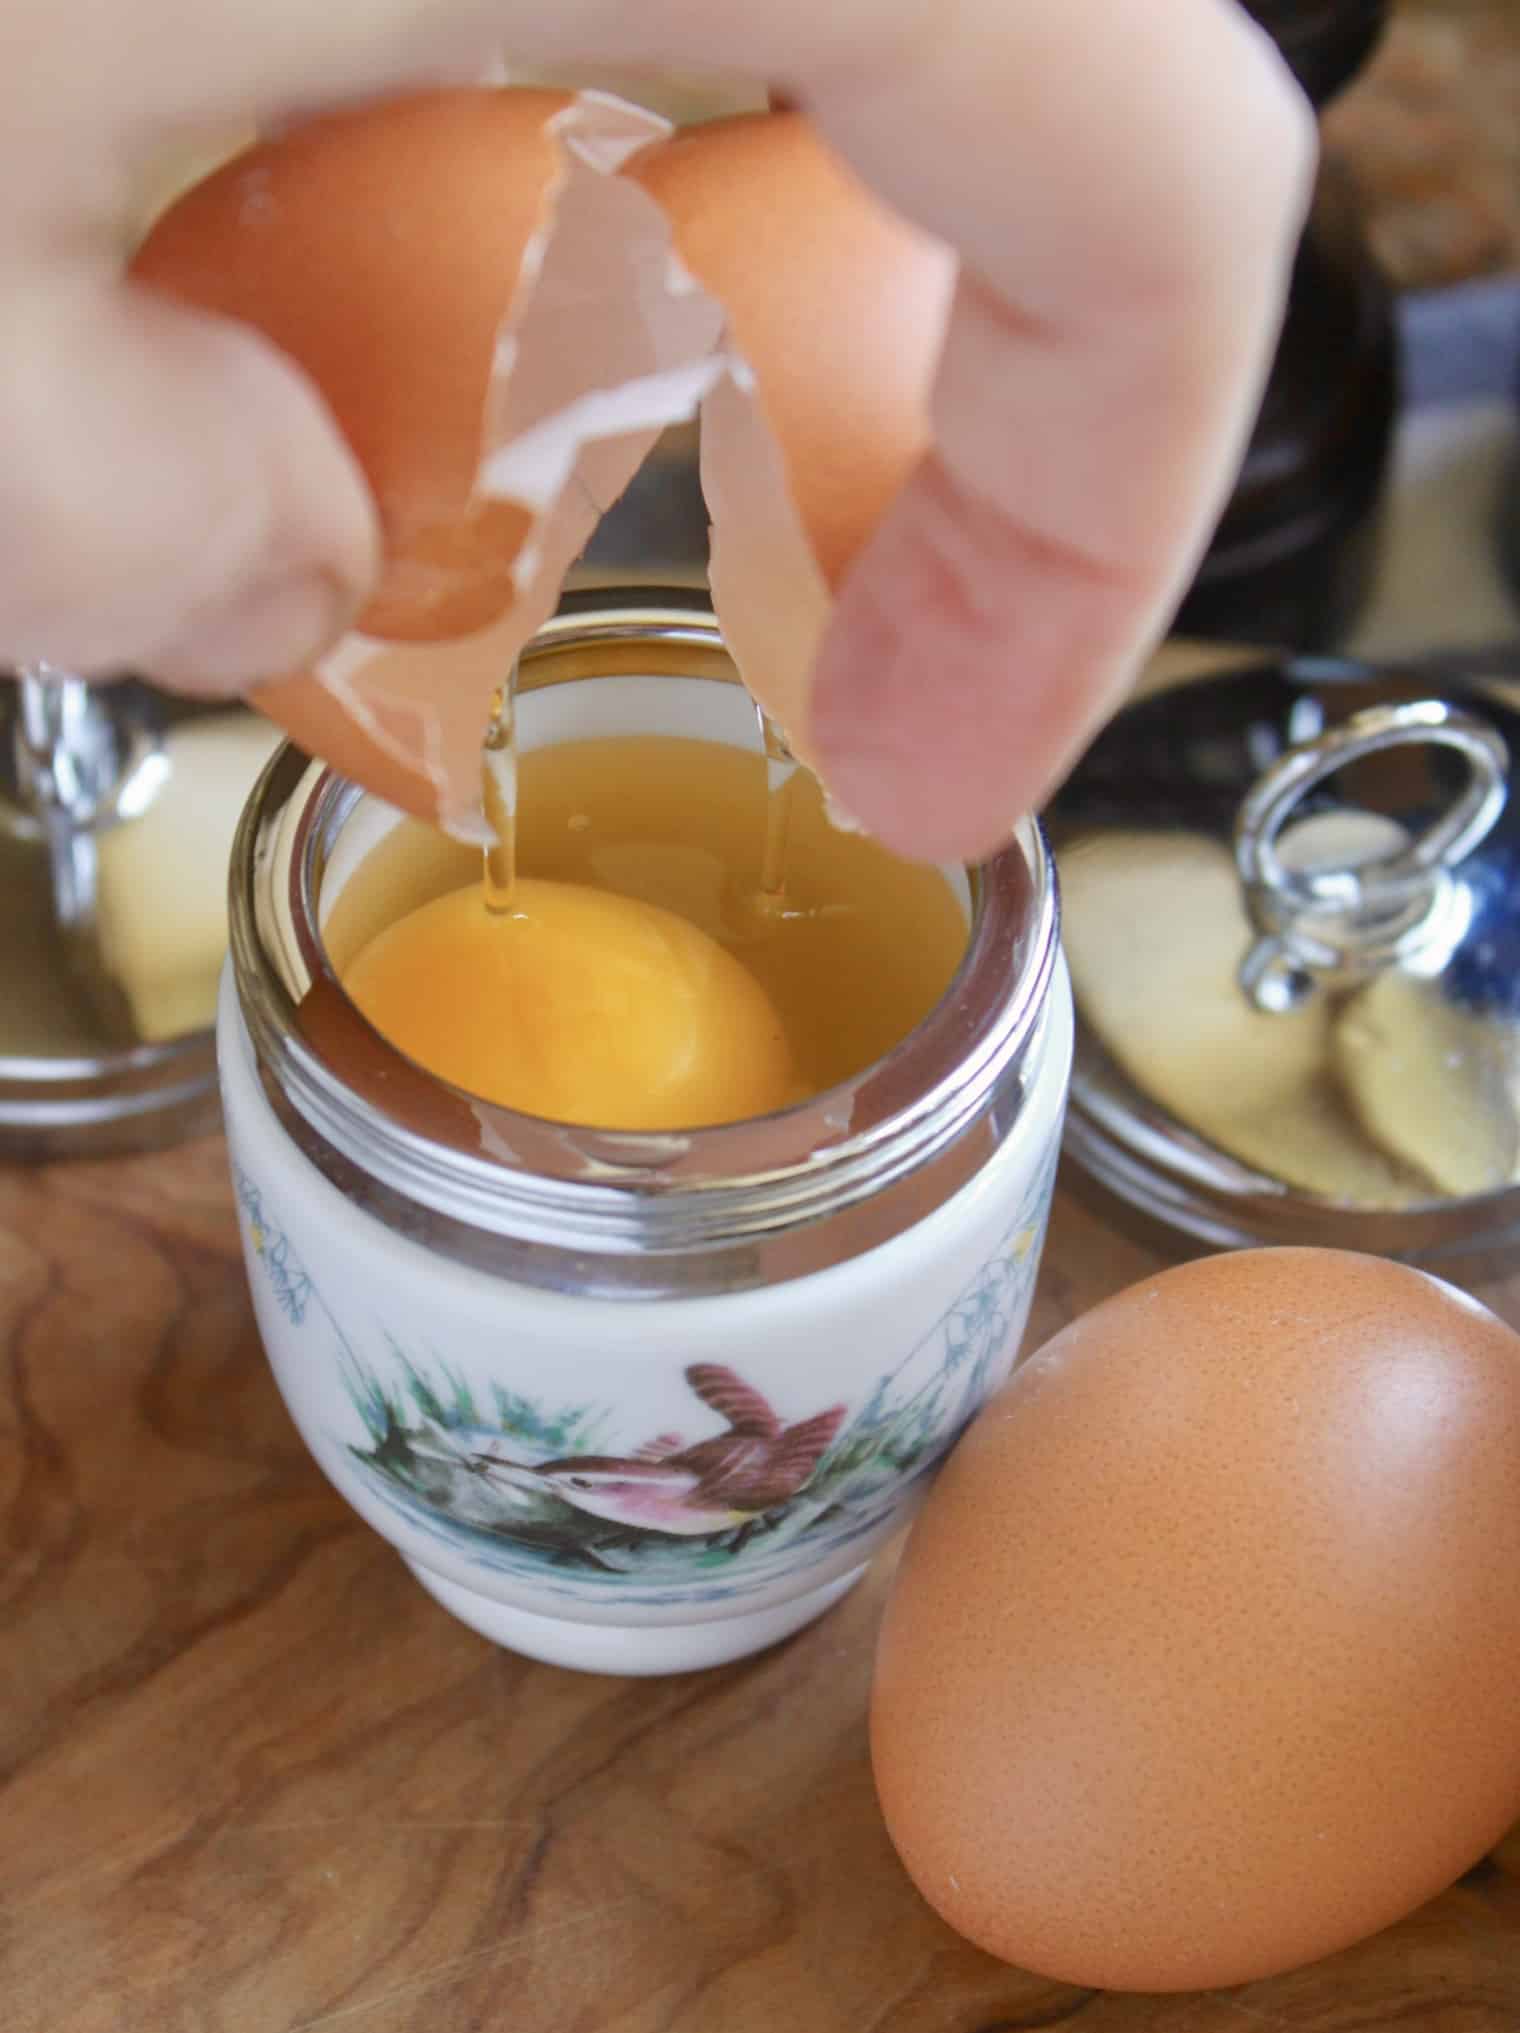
836 304
503 295
836 312
498 327
1203 1658
380 249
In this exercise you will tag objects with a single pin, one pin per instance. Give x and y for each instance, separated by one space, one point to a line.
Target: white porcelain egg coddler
634 1403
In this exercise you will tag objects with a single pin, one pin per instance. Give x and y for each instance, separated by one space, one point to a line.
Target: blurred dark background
1431 129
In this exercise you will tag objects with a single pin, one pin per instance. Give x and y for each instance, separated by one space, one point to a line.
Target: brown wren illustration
716 1485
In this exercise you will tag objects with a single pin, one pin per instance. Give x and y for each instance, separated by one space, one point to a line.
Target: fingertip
966 662
911 818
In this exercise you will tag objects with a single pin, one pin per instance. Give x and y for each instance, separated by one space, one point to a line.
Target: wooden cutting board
255 1781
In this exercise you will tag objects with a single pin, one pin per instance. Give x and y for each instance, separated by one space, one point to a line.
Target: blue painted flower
287 1280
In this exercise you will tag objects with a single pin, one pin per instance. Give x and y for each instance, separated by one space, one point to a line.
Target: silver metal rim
118 1103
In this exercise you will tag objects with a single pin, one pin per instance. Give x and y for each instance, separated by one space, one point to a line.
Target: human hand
1125 184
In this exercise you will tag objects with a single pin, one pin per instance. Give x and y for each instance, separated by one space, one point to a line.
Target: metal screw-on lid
1292 911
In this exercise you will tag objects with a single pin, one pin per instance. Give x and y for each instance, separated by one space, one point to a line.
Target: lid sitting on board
1291 903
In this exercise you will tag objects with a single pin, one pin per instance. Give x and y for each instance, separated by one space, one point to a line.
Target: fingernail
278 625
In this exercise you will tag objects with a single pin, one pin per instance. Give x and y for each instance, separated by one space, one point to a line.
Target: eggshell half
1203 1659
495 318
836 311
381 249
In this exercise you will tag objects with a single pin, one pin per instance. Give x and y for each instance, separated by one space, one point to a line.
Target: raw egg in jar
1203 1659
577 1005
631 982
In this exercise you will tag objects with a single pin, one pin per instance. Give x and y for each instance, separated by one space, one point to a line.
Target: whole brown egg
1203 1658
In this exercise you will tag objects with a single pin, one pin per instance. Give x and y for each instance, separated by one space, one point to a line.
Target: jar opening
339 1084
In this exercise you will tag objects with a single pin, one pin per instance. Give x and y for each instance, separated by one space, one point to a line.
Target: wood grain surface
256 1782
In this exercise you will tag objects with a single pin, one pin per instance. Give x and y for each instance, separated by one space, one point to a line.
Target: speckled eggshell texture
1203 1659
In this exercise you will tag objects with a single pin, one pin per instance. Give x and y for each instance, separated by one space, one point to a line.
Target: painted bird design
720 1484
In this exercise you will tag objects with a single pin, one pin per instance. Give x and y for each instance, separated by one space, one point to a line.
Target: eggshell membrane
498 323
836 310
1203 1658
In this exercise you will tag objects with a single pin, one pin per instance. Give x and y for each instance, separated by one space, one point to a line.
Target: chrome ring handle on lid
82 756
1347 909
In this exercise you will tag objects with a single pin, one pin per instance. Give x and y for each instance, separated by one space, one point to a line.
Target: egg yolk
577 1005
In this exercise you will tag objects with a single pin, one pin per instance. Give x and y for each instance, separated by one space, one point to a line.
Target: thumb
139 438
